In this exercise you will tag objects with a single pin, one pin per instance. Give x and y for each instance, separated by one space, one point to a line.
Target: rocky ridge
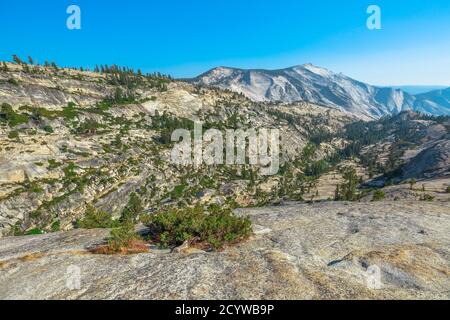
321 86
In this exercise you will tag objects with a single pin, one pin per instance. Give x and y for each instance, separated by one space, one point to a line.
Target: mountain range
414 89
321 86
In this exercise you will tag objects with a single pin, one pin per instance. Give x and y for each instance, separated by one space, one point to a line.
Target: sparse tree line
116 75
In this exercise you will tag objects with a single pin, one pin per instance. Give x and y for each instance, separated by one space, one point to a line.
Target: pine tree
348 188
337 194
412 182
133 209
17 59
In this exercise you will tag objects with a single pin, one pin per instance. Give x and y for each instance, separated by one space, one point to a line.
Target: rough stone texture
299 251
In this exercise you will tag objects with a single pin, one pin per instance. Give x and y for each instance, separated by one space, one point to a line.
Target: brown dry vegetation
133 246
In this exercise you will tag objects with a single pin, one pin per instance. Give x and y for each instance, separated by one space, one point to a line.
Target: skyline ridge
410 48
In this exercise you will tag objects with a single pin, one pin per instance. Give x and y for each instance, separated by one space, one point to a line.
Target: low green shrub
48 129
13 134
94 219
88 127
56 226
378 195
8 115
34 232
70 112
123 240
178 191
427 197
213 229
53 164
133 209
13 81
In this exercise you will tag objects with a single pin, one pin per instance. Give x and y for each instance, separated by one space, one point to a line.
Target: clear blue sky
187 37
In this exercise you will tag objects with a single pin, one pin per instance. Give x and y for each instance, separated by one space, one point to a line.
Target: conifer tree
17 59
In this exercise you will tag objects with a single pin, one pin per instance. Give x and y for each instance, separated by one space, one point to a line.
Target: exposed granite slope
122 151
299 251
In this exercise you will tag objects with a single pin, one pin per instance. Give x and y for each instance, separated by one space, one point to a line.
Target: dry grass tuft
31 257
134 246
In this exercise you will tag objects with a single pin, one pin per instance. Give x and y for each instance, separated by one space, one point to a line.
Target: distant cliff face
321 86
430 162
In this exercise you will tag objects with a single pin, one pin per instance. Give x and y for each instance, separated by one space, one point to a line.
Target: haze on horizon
186 39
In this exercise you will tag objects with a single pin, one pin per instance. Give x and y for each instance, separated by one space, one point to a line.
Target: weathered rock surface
430 162
299 251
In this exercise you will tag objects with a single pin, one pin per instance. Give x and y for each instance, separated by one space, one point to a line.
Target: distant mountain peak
315 69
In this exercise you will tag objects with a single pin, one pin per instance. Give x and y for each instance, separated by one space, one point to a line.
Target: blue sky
185 38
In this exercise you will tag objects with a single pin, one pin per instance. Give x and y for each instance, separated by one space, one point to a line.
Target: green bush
378 195
69 171
13 134
447 190
133 209
427 197
122 240
33 187
48 129
213 229
122 237
33 232
52 164
89 126
94 218
178 191
13 81
56 226
412 183
7 114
